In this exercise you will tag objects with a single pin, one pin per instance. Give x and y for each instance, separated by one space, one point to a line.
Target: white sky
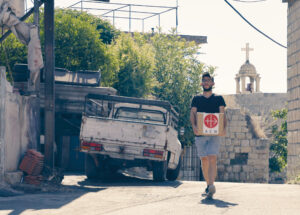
226 33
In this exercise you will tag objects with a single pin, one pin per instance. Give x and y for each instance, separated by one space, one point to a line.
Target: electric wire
253 1
254 26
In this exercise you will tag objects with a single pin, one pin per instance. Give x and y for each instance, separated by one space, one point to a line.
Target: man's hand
195 129
193 118
223 133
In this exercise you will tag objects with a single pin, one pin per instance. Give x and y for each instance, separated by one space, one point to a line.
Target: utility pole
49 84
36 99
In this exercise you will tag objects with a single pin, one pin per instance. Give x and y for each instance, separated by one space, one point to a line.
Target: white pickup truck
122 132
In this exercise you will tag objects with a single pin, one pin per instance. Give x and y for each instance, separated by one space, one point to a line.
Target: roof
247 68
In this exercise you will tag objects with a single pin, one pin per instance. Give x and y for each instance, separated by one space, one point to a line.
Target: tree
278 148
136 65
178 74
11 52
78 44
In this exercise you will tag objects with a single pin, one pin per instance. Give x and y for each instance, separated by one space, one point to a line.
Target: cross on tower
247 49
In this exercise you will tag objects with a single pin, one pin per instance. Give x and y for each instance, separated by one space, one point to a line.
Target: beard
207 89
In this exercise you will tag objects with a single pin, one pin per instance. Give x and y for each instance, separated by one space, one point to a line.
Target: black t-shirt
208 105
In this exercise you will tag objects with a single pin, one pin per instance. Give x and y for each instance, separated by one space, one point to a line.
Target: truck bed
126 140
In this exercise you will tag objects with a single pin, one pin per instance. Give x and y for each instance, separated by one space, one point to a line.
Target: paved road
127 195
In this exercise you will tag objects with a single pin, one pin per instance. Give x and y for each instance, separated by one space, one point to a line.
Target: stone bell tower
247 70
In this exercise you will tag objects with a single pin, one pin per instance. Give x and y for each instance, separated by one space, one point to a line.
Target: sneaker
211 191
205 191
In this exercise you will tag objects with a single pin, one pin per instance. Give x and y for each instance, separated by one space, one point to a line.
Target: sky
226 34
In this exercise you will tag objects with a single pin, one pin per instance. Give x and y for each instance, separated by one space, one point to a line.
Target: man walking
207 146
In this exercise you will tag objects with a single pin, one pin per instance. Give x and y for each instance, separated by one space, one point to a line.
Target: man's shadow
218 203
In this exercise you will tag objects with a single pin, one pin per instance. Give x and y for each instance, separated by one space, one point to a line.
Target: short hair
206 74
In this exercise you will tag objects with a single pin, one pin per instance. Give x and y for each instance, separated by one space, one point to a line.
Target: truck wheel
172 174
159 170
91 170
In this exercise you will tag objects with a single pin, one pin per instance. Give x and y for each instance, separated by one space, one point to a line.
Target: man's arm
193 119
222 110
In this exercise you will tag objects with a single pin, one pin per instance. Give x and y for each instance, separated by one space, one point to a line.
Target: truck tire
172 174
91 170
159 170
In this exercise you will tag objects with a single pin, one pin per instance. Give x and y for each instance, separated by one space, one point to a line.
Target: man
207 146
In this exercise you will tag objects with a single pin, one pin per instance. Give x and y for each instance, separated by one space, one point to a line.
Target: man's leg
205 167
212 173
212 169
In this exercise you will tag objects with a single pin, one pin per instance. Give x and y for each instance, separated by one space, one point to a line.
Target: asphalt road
127 195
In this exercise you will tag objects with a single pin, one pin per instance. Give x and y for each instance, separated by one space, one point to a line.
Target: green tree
78 44
11 52
136 65
178 74
278 148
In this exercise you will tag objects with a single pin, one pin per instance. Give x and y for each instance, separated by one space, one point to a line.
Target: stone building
247 70
293 85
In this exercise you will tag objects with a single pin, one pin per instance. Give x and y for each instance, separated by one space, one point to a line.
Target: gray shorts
207 145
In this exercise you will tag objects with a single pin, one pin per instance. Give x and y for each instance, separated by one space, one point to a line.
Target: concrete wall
293 76
2 122
15 126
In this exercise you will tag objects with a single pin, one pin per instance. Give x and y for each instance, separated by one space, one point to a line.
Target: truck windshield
143 115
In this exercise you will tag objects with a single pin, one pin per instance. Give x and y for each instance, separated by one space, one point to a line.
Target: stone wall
243 157
15 126
259 106
293 85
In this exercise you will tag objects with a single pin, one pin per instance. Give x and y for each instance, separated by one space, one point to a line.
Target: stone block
245 143
235 118
228 168
231 155
225 156
230 148
240 136
247 169
235 128
231 176
242 123
253 156
226 162
221 168
236 176
243 176
246 149
245 129
13 177
236 142
237 168
227 141
225 176
237 149
252 142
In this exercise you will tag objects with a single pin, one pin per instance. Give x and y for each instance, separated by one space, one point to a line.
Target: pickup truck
123 132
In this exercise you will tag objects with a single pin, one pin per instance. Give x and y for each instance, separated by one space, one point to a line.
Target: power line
253 1
254 26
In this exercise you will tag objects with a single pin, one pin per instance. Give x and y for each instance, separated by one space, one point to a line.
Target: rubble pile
32 164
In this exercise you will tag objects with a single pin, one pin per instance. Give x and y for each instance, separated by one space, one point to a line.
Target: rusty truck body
122 132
